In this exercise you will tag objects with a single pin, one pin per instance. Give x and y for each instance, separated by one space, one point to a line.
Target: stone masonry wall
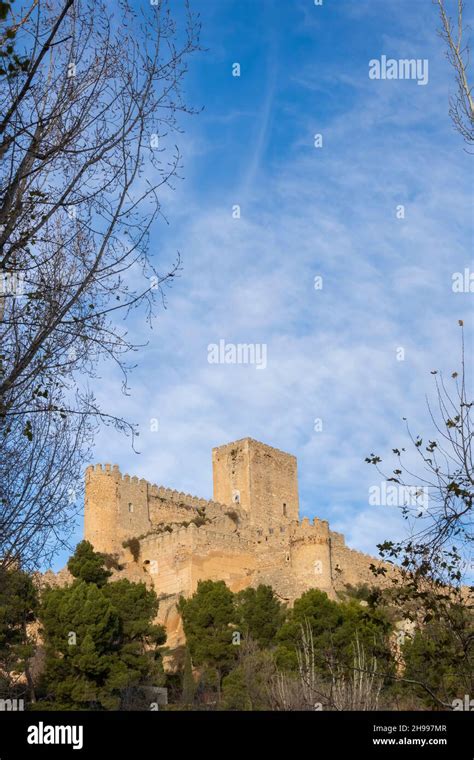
351 567
263 479
249 534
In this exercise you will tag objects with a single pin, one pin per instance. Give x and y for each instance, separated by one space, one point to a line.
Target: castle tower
100 507
263 480
116 508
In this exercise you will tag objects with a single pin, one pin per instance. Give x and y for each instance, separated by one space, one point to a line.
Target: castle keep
250 533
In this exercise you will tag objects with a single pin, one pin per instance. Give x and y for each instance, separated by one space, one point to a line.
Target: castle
250 533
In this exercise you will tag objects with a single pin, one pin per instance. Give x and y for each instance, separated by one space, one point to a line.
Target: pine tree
88 565
209 622
260 614
18 608
99 638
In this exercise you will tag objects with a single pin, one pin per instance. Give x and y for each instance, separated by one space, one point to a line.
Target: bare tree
343 688
285 693
435 559
445 479
85 143
302 690
360 689
457 52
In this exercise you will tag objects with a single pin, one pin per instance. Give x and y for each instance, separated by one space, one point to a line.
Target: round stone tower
101 507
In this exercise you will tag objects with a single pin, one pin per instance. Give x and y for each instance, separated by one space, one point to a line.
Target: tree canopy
99 637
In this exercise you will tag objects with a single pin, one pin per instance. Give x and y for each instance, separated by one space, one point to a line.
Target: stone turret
100 507
116 507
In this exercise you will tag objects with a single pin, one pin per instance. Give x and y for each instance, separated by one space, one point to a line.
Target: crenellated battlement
318 530
180 534
178 497
337 539
156 491
103 471
248 533
241 441
94 469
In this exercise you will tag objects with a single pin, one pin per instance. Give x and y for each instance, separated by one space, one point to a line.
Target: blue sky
305 211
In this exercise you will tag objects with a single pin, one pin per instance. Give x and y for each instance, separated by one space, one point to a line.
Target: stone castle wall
249 534
119 507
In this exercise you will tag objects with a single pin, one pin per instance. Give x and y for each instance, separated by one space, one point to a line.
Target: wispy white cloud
331 353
